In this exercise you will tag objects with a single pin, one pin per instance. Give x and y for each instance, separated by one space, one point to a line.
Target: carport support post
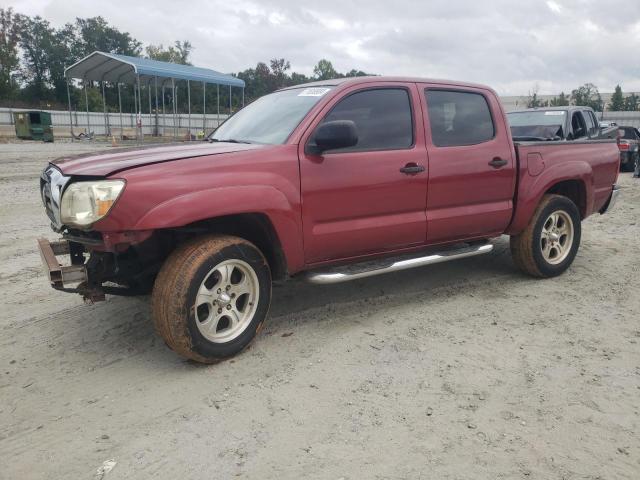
70 114
218 100
104 111
157 127
139 108
164 118
243 97
149 89
204 108
120 110
230 108
189 105
135 107
173 101
86 104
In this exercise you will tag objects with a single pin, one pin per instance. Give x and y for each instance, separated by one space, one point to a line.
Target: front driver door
369 198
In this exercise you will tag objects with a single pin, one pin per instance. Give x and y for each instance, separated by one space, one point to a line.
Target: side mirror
333 135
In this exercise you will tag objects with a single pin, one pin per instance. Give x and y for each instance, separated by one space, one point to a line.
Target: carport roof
111 67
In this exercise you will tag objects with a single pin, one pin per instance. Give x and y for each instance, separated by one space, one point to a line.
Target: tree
631 103
587 96
561 100
356 73
178 53
617 100
298 78
36 38
96 34
59 57
324 70
279 67
9 61
533 101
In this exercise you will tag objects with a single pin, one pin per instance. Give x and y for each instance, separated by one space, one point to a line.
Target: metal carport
122 69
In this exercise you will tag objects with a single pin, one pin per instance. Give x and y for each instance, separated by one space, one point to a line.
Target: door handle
412 169
498 162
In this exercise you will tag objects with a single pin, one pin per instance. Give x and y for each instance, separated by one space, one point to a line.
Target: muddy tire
549 244
211 297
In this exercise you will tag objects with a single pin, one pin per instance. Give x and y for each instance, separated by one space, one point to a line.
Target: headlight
84 203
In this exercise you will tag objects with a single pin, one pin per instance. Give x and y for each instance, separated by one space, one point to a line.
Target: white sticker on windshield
557 113
313 92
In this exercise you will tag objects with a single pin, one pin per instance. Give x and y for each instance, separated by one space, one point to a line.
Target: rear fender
531 189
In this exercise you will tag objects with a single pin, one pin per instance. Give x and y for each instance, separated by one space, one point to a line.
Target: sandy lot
466 370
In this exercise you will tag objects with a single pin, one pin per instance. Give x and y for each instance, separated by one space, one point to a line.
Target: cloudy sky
509 44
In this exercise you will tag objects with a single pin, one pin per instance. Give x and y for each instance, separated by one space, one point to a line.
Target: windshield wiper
227 140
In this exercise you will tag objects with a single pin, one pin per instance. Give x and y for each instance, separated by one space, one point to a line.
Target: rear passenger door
471 165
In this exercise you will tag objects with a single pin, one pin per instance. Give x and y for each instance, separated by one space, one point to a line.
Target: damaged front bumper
92 272
60 275
72 278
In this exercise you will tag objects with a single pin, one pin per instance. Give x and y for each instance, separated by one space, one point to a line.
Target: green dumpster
34 125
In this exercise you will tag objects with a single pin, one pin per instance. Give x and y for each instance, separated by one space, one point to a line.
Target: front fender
532 188
220 201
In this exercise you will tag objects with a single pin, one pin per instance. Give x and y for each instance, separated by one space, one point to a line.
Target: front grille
52 184
45 188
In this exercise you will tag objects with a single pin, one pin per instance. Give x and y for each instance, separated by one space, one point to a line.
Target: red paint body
339 207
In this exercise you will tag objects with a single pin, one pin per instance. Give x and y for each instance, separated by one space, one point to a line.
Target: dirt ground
465 370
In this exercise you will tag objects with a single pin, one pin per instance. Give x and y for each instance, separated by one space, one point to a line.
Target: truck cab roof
347 81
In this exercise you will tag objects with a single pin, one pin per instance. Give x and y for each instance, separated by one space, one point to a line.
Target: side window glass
589 121
458 118
578 126
382 118
596 124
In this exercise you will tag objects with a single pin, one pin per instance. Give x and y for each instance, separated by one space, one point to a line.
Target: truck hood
102 164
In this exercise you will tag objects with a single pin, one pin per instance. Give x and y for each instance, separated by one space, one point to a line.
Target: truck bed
591 166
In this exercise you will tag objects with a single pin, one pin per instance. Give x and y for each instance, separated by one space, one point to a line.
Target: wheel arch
575 190
255 227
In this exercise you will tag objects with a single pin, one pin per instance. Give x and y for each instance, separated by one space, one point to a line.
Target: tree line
34 54
588 95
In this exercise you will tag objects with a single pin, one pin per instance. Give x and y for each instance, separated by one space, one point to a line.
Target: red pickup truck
333 180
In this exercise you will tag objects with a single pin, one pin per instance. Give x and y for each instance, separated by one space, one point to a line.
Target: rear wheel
211 297
549 244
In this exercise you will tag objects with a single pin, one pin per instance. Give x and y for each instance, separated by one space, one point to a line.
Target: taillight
623 146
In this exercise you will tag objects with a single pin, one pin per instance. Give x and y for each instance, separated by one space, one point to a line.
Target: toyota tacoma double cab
329 181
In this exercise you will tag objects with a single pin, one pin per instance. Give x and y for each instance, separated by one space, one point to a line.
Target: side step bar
369 269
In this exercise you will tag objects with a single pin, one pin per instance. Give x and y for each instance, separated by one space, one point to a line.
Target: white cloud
554 7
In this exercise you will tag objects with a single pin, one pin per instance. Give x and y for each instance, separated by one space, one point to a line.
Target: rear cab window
458 118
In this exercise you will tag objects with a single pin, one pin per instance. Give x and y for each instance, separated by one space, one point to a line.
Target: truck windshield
270 119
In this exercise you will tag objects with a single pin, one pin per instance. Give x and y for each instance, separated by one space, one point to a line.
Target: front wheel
211 297
549 244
